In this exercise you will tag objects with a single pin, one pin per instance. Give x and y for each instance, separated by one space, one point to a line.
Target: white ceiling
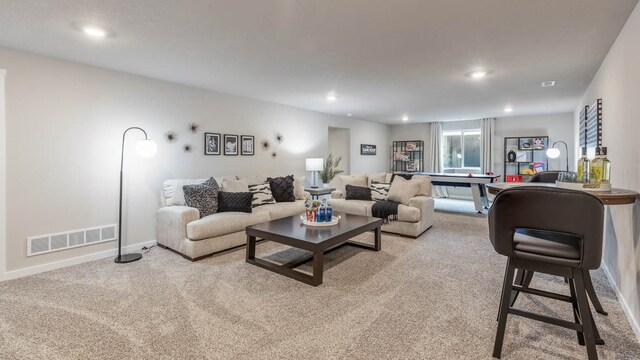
383 58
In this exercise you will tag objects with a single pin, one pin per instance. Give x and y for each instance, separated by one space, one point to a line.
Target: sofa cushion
203 197
377 177
379 191
254 179
224 223
356 180
234 201
355 207
402 190
282 188
261 195
357 193
230 185
283 209
298 187
173 193
425 184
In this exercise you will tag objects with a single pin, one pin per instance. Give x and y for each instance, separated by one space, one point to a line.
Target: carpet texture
435 297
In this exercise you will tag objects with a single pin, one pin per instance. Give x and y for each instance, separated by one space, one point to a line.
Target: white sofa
413 219
180 228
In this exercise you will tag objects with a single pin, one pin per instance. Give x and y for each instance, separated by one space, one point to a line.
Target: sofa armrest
171 224
336 194
424 203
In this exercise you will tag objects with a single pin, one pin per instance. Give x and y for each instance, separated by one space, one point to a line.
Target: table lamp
314 165
144 148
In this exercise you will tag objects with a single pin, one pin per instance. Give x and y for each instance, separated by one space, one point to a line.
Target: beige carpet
434 297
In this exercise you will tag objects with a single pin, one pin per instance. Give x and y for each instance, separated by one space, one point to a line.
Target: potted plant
330 169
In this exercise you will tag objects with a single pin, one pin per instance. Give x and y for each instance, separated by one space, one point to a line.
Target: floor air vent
43 244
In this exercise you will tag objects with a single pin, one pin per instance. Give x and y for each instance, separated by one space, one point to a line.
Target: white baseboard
14 274
627 311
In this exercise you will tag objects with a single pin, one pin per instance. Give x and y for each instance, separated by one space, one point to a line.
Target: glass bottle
606 167
595 174
584 166
329 213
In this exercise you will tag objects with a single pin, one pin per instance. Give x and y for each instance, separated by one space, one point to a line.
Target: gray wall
64 129
617 83
340 145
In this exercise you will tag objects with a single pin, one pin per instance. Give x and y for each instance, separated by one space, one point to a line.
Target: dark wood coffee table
318 240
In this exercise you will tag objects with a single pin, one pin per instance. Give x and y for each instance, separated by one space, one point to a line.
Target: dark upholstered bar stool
554 231
545 177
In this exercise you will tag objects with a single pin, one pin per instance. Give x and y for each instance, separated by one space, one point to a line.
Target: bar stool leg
588 285
504 309
585 314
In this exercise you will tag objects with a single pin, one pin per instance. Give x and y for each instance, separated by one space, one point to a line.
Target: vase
326 185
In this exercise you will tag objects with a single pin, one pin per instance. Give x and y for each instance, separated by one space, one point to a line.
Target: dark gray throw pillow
357 193
282 188
234 201
203 197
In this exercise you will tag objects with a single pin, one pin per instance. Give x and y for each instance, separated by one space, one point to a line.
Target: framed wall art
211 144
367 149
230 144
247 145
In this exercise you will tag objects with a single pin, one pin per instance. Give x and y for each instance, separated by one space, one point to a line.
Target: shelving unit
530 153
407 156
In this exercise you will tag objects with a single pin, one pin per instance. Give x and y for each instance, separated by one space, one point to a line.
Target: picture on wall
230 144
367 149
247 142
211 144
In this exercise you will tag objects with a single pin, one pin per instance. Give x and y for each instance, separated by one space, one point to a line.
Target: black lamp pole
566 150
127 258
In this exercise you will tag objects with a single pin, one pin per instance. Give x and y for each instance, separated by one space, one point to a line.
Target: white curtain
435 149
487 135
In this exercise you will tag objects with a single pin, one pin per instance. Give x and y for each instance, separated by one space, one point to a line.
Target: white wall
340 146
556 126
617 82
64 128
407 132
3 223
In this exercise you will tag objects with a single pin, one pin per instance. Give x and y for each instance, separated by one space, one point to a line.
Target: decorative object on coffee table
330 169
230 144
314 165
211 144
145 148
290 231
247 143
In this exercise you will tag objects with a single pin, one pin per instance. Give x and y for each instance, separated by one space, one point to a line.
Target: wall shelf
407 156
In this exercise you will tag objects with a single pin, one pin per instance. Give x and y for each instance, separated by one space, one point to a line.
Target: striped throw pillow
261 195
379 190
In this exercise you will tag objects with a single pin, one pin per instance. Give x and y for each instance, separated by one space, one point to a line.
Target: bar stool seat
553 248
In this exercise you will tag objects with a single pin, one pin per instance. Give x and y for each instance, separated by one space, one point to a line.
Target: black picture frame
247 145
368 149
230 144
211 144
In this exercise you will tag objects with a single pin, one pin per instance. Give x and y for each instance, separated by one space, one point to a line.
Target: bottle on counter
606 167
595 173
584 167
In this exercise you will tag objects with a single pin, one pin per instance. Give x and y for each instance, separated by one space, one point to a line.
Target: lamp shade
314 164
146 148
553 153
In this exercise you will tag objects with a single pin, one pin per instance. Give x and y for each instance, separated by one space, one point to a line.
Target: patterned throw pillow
379 191
357 193
282 188
203 197
234 201
261 195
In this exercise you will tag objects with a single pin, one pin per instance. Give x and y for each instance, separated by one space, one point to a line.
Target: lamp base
127 258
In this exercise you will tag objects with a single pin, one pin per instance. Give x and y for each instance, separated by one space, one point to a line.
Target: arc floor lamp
145 148
553 152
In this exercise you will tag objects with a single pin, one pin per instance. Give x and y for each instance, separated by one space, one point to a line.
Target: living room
298 81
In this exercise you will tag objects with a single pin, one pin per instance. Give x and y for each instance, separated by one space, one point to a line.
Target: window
461 149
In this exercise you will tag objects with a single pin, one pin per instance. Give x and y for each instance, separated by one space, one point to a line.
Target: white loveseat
413 219
180 228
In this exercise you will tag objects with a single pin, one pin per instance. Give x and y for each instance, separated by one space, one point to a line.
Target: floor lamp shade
144 148
314 165
553 152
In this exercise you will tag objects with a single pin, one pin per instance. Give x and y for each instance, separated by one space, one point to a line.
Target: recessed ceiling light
94 31
478 74
405 118
331 97
508 109
349 115
550 83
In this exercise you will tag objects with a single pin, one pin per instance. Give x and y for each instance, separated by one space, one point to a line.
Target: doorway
339 146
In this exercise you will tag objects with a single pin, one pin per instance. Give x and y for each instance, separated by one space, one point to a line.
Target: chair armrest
424 203
171 223
336 194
